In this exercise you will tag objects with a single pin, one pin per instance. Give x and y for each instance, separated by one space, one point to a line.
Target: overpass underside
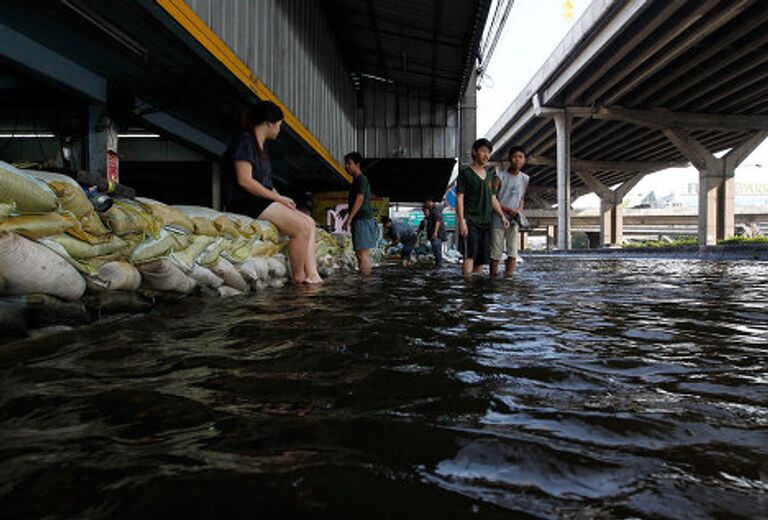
638 87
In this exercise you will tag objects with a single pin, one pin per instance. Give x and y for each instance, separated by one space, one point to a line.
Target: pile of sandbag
53 242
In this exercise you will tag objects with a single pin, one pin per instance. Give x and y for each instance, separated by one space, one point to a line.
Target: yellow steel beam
187 18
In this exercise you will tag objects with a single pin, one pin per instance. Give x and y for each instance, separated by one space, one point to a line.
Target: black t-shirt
433 217
244 149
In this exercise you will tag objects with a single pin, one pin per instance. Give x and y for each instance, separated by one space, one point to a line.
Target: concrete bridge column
563 125
551 237
716 182
611 210
468 120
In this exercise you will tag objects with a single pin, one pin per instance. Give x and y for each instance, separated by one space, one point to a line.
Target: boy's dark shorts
477 244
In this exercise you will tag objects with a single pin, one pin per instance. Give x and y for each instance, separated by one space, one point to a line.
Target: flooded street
584 387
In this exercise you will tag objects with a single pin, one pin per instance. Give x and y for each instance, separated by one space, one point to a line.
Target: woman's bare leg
292 223
310 264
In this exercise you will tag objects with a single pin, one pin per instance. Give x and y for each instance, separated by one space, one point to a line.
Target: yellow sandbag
204 226
5 210
72 198
162 246
126 217
263 248
227 227
29 267
168 216
185 258
29 194
268 231
213 252
37 226
258 232
78 249
239 250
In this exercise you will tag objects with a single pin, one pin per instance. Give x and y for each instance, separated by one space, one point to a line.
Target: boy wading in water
360 219
510 187
475 203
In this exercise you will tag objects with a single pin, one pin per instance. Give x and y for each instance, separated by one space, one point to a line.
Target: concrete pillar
726 215
551 237
468 120
708 184
611 221
216 185
95 159
523 240
563 126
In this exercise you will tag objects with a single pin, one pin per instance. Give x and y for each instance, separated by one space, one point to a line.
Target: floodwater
582 388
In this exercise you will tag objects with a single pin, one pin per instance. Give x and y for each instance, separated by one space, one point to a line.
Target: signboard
329 209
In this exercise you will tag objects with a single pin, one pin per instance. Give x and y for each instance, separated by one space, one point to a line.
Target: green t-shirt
361 185
478 207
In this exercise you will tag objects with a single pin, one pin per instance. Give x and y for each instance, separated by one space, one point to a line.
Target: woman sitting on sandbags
249 191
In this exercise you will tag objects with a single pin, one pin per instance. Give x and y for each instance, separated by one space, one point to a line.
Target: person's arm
499 211
522 197
245 180
355 208
438 223
460 214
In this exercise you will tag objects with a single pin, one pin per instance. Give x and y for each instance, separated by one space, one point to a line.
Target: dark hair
355 157
482 142
385 219
514 149
264 111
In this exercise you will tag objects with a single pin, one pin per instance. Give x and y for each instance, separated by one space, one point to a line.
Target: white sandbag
205 277
198 211
277 267
30 195
28 267
115 276
224 269
155 248
226 291
249 273
163 275
185 258
258 266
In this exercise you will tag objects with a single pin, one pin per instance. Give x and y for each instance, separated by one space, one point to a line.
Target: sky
533 30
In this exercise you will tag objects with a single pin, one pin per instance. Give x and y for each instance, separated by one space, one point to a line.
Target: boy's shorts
365 234
505 241
477 244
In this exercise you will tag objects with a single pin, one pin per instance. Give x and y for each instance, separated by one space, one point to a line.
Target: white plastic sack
115 276
205 277
224 269
163 275
28 267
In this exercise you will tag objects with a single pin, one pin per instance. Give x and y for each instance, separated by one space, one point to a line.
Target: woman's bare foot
314 280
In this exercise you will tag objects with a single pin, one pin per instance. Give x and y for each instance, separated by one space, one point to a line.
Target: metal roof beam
44 62
660 118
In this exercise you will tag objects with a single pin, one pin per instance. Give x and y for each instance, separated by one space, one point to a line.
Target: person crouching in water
400 234
510 186
475 202
435 229
250 191
360 219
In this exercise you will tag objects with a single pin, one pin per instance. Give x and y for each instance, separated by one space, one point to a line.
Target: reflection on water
580 388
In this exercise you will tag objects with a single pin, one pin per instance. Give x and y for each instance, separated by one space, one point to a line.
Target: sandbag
253 271
213 252
268 231
127 217
227 272
278 267
204 226
163 275
226 291
205 277
5 210
162 246
37 226
29 194
29 267
79 249
167 216
185 258
227 227
115 276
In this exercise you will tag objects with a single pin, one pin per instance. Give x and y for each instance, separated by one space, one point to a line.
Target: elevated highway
640 86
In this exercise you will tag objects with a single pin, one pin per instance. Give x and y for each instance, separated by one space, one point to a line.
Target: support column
523 240
716 183
468 120
216 185
95 159
551 237
563 126
611 221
